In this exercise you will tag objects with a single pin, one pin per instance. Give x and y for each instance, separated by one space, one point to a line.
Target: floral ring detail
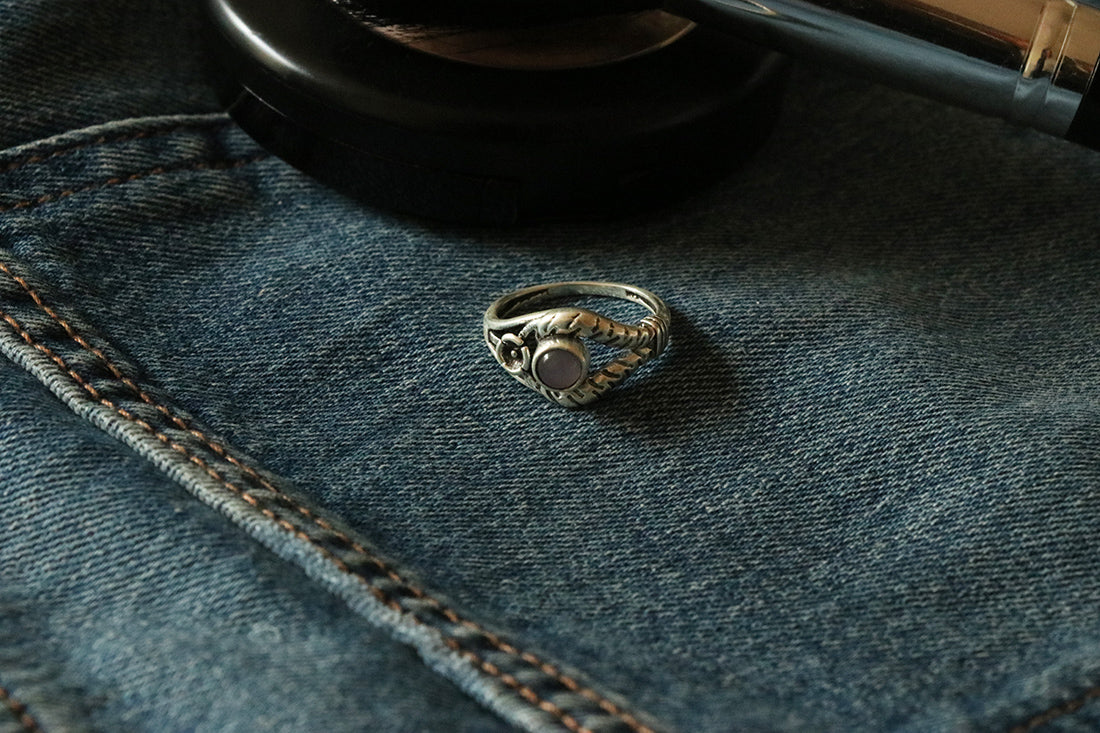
544 347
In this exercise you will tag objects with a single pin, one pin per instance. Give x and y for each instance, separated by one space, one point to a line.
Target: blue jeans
259 472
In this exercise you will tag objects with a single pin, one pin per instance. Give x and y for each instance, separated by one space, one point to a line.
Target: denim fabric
127 605
71 63
858 492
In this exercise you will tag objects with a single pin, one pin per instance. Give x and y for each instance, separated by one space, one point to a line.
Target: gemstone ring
543 346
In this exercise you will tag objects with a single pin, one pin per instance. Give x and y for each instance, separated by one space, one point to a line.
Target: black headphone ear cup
456 142
390 182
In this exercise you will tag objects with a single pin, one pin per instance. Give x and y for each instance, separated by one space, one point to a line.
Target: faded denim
258 470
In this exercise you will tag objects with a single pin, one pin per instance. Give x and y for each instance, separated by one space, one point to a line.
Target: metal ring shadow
693 385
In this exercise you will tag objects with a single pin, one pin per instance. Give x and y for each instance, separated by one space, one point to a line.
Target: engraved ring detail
544 347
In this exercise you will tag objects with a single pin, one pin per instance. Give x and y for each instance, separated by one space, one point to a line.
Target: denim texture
858 492
127 605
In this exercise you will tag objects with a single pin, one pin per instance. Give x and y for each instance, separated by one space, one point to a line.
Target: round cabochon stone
559 369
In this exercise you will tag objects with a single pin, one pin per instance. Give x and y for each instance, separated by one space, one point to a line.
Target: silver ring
543 348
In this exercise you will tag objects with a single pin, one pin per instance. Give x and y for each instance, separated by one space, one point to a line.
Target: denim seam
202 165
404 597
1054 712
19 710
166 129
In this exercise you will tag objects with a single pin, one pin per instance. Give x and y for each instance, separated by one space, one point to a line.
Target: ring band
544 348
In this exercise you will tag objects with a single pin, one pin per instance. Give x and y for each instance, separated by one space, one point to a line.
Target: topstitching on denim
538 683
202 165
19 711
336 539
334 544
110 383
1056 711
140 134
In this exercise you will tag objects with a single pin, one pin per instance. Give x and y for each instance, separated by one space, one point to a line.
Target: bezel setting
569 345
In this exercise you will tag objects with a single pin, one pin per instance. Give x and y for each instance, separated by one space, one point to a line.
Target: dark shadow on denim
671 398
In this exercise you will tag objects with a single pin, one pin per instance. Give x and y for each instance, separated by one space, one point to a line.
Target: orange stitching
546 668
380 595
1056 711
523 690
19 710
118 180
182 424
14 165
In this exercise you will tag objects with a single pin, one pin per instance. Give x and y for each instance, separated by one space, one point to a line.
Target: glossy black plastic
462 143
1085 128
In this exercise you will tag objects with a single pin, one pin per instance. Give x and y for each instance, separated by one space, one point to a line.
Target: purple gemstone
559 369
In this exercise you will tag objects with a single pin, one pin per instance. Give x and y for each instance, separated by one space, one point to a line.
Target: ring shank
505 311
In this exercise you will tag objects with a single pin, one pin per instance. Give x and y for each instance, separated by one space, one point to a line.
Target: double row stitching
527 693
18 163
203 165
508 680
19 710
1056 711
